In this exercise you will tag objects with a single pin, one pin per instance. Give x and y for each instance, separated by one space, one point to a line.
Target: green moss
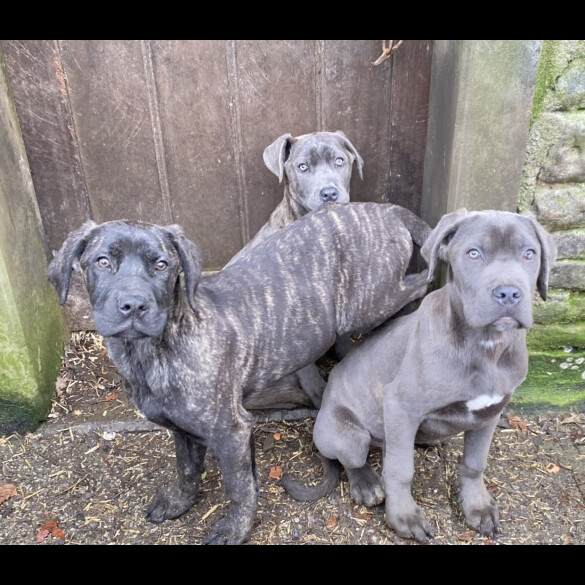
545 79
28 370
30 355
555 381
556 337
562 306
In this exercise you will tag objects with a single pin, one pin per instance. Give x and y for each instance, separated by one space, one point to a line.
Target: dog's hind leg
365 485
178 497
312 383
343 344
285 394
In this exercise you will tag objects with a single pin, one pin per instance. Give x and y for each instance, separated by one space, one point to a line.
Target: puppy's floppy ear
275 155
359 163
61 266
435 247
548 254
191 261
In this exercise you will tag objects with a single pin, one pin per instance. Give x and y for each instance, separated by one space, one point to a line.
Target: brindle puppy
194 349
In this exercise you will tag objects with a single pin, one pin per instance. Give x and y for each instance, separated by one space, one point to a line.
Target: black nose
131 305
329 194
507 295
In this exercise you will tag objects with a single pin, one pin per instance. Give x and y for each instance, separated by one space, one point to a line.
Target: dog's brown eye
303 167
103 262
529 254
339 161
161 265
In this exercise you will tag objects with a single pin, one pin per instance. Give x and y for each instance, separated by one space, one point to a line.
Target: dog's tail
304 493
419 229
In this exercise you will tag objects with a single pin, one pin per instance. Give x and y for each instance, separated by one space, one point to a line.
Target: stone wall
553 188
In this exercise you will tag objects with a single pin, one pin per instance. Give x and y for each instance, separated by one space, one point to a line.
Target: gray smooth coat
449 367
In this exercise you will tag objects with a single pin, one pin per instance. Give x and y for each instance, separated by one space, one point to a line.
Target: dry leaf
332 521
275 472
58 533
552 468
517 423
112 396
573 418
7 491
50 525
42 534
51 528
467 536
367 516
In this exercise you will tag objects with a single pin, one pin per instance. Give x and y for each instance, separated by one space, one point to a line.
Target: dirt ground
88 473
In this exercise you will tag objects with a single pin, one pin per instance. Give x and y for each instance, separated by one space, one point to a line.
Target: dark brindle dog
193 349
449 367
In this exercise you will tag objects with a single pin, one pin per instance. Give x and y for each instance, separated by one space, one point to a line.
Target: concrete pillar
479 118
32 327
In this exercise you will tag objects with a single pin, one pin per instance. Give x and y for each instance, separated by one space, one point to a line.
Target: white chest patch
483 401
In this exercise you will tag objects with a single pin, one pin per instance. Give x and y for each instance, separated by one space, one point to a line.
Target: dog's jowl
449 367
194 349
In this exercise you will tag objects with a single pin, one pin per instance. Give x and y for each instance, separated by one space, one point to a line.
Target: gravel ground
88 473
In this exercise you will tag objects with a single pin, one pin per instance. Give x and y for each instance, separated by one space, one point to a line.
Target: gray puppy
316 168
449 367
194 349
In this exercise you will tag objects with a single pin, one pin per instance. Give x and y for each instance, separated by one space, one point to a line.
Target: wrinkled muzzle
129 308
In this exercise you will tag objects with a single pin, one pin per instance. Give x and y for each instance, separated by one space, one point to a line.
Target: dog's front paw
228 531
478 507
483 519
411 525
170 502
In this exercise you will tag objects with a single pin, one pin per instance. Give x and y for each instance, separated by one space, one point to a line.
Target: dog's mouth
129 329
130 333
506 324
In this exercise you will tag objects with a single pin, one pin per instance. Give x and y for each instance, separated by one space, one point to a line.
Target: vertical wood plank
112 117
411 73
383 111
42 104
196 110
275 95
356 99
